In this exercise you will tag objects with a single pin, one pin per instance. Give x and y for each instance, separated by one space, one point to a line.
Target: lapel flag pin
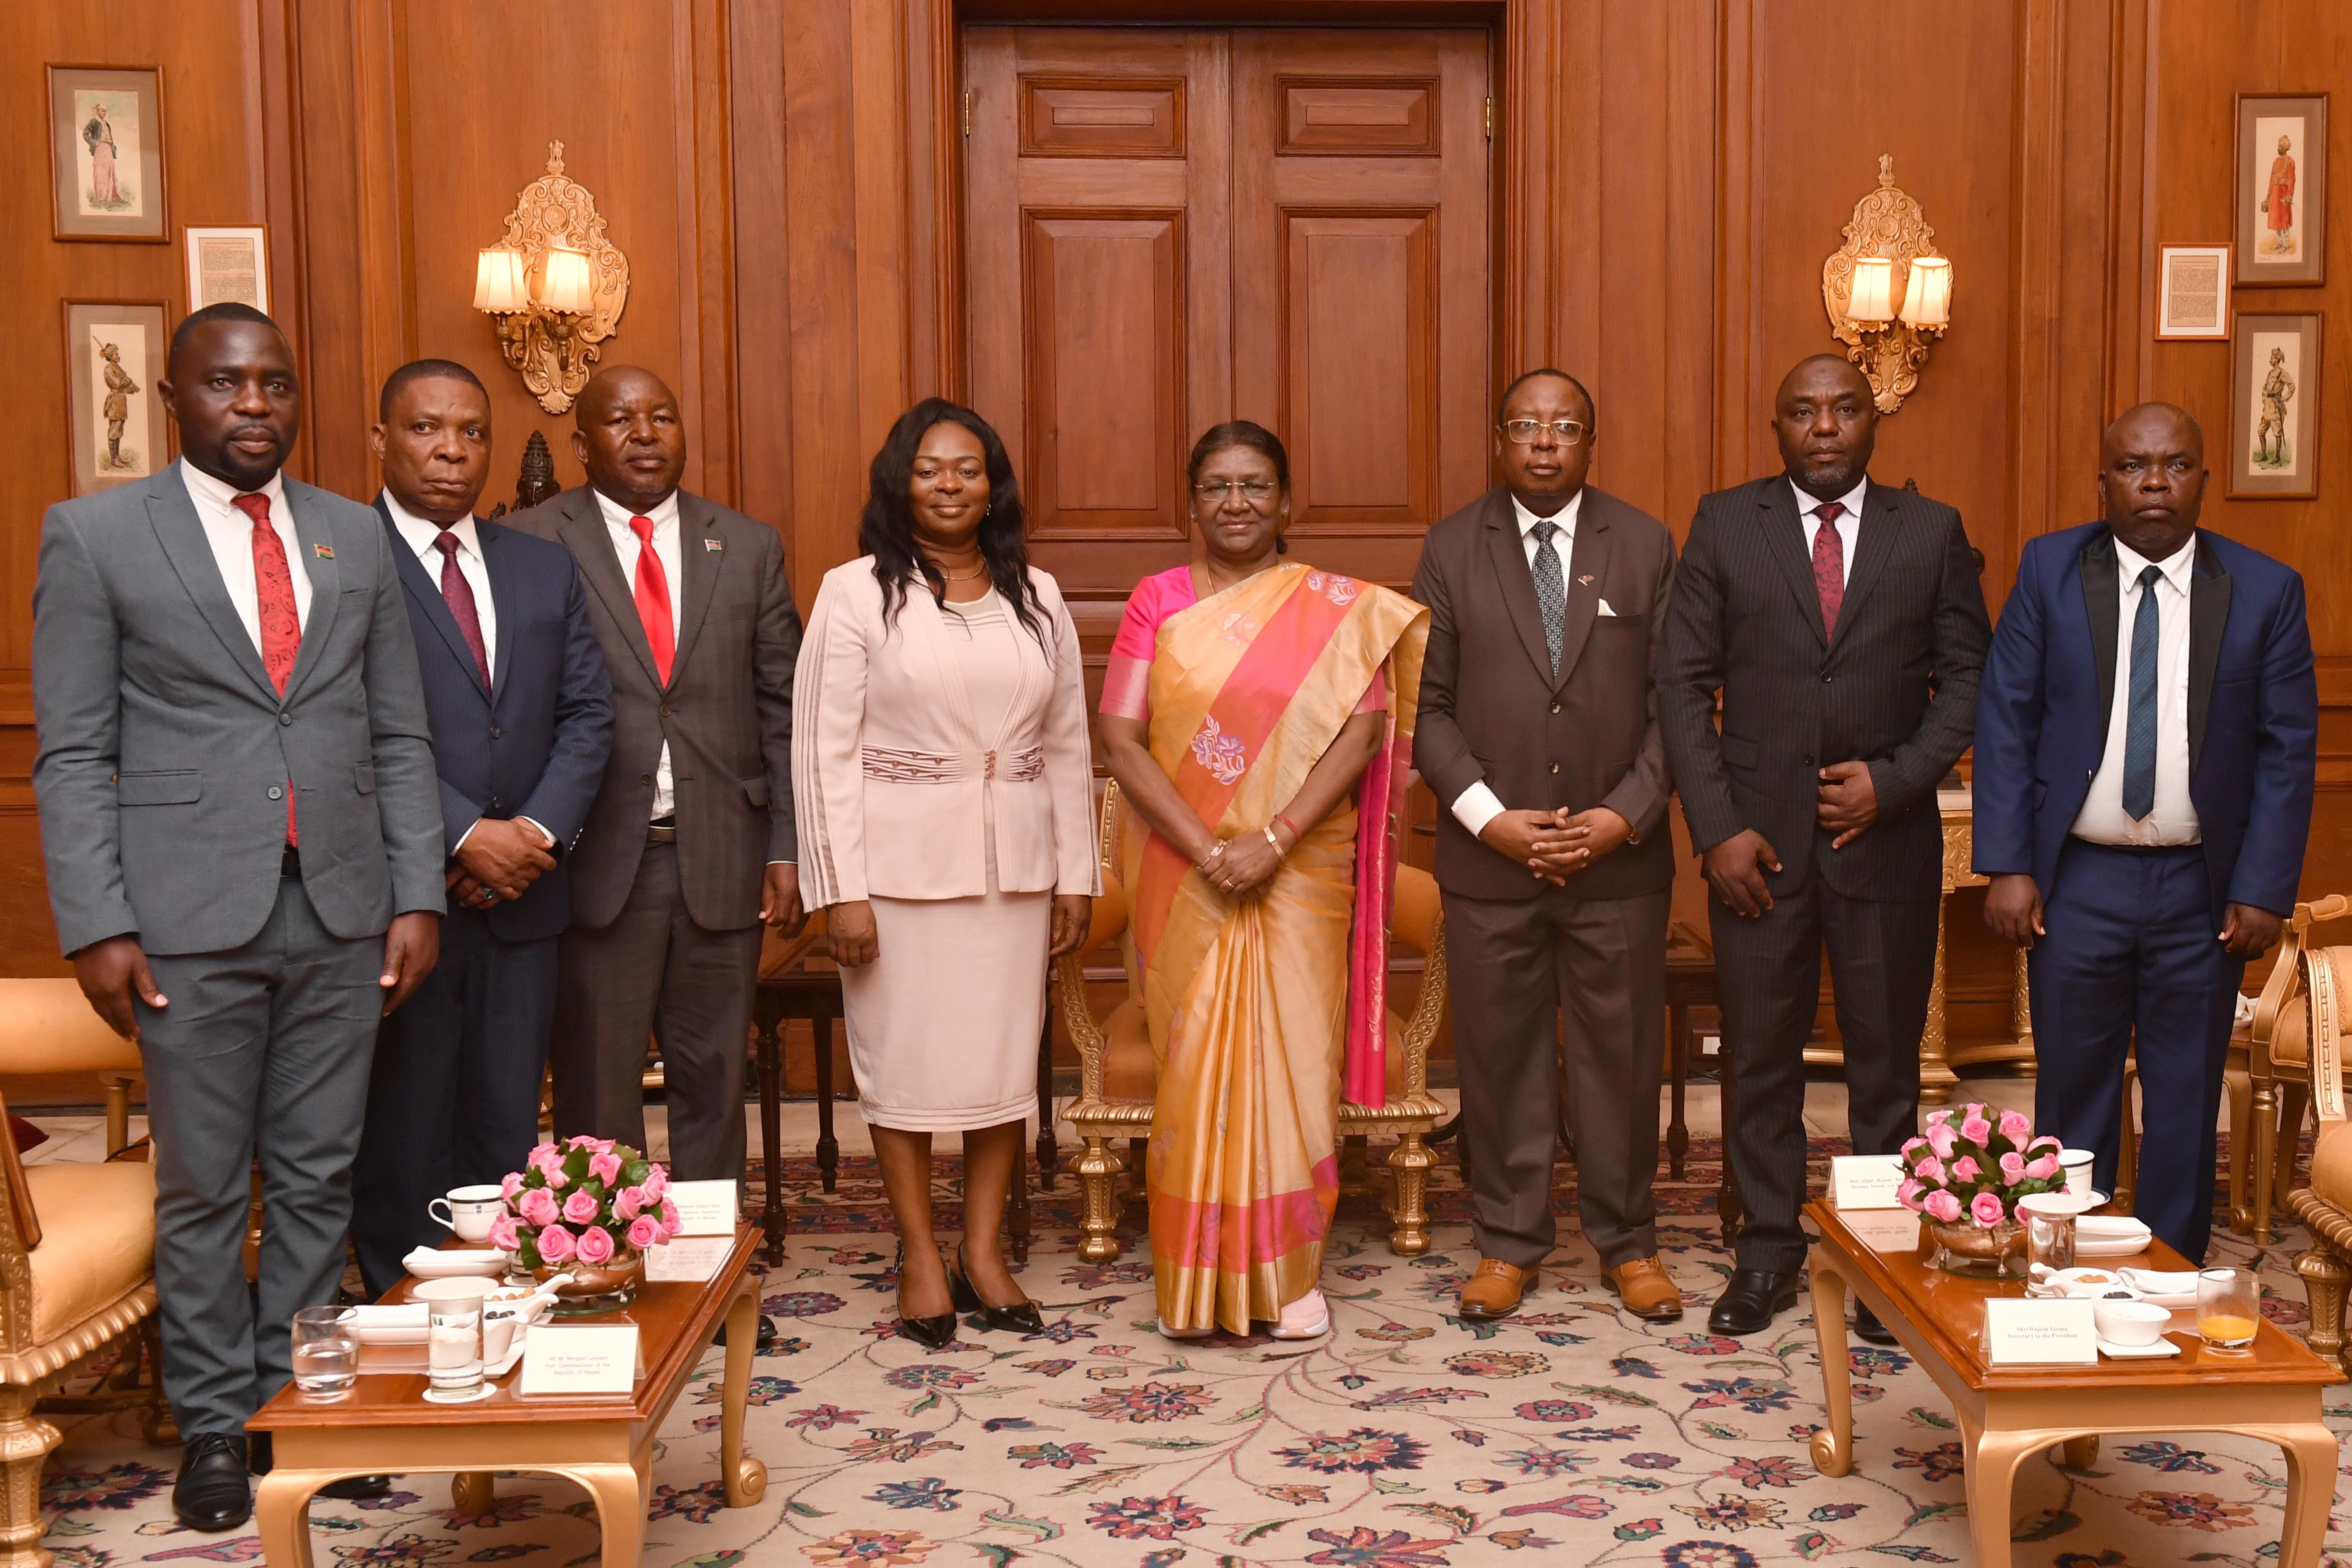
323 552
713 546
1586 580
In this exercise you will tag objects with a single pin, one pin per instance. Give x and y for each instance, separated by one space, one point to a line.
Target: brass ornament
554 350
1887 222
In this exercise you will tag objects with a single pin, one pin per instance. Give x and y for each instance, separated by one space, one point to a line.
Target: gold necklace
972 576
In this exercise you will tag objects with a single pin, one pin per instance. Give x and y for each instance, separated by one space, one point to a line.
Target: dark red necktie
1828 564
458 594
652 588
281 623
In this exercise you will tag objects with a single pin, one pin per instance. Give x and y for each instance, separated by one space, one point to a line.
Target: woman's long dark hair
886 530
1256 437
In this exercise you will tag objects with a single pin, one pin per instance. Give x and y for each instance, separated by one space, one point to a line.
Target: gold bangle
1270 839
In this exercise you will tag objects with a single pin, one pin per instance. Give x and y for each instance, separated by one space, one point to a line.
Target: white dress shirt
1848 522
2173 820
1479 805
625 545
421 533
230 533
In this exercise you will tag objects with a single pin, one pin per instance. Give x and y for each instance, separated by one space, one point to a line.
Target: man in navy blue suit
2147 735
521 714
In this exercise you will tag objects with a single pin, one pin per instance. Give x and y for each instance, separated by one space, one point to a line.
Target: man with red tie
690 846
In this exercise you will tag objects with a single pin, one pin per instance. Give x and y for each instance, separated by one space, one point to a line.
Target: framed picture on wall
2192 291
228 264
114 357
2282 188
106 154
2274 408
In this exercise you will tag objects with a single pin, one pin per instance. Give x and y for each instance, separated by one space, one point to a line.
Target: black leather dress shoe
1021 1318
352 1489
1749 1302
761 1343
1868 1329
212 1493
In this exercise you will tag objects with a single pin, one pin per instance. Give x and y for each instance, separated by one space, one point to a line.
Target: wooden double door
1167 227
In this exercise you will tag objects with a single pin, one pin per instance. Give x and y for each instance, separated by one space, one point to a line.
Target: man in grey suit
690 843
1843 624
243 833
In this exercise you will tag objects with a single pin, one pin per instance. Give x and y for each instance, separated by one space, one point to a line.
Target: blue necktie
2139 719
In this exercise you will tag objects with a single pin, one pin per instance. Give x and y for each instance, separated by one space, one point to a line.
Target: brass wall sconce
554 286
1887 245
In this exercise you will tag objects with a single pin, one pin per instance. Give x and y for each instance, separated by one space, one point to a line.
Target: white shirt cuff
1476 806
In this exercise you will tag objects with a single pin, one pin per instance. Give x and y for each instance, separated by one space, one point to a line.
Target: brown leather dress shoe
1646 1290
1494 1291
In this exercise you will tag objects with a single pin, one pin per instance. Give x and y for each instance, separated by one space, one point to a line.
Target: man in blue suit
2147 735
522 715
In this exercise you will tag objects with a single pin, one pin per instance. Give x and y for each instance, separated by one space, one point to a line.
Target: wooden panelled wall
782 176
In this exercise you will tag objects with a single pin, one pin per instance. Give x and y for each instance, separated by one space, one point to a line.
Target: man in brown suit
690 845
1538 730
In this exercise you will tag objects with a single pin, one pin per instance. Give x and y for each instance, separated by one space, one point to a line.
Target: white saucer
455 1263
2163 1347
2119 1247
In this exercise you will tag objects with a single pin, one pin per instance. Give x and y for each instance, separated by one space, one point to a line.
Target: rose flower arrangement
584 1200
1975 1165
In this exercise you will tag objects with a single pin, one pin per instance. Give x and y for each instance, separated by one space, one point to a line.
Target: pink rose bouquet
1974 1164
588 1199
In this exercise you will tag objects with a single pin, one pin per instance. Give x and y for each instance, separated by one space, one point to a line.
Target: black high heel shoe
1022 1317
935 1333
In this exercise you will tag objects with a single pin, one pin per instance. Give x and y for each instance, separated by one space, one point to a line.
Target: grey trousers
260 1051
653 972
1513 965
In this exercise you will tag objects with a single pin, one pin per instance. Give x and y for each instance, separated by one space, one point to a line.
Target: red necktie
281 623
1828 564
458 594
653 598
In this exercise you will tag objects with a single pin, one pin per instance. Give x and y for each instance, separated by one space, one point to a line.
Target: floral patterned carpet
1408 1438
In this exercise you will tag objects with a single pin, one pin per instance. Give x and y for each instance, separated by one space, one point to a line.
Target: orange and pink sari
1263 1011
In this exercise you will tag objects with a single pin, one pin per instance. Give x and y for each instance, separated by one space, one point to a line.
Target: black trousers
454 1100
1768 970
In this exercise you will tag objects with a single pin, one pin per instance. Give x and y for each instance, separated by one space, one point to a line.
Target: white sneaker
1308 1318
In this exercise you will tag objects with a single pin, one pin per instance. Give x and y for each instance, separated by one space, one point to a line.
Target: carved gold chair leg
1408 1164
25 1443
1097 1170
2324 1279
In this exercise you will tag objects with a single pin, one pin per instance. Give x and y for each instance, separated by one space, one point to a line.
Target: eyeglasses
1523 431
1215 491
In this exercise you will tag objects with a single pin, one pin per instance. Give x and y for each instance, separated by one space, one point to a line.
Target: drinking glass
2049 1230
2229 1305
454 1347
325 1349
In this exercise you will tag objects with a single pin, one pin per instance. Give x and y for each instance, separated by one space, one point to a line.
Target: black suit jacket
534 744
1895 687
727 711
1492 708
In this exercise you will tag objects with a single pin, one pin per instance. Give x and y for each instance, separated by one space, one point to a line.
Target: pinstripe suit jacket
1895 686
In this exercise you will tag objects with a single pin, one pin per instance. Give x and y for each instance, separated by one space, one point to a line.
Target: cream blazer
889 769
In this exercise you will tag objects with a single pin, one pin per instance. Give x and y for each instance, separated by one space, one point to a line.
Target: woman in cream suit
939 743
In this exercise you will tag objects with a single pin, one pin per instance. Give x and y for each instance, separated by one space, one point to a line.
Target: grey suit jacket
165 750
727 711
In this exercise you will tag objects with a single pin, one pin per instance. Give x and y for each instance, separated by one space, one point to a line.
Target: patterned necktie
458 594
2139 717
281 623
653 598
1551 592
1828 564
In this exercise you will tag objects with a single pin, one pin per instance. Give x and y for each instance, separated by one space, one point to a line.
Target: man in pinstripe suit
1844 626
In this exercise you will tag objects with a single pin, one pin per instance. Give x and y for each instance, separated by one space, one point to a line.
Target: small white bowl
2089 1284
2129 1322
455 1262
451 1288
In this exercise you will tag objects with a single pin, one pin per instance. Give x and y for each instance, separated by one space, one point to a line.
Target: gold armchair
2315 1026
1118 1075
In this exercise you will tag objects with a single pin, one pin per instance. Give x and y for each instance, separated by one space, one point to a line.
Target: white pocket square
1605 609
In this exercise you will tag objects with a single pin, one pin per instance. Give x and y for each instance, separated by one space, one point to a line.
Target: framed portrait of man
114 357
2274 408
2281 189
106 154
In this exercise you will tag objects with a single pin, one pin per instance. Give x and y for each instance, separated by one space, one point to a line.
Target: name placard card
692 1258
705 1209
1866 1181
2019 1332
1884 1230
582 1359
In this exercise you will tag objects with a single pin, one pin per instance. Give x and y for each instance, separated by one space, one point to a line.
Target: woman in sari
1250 709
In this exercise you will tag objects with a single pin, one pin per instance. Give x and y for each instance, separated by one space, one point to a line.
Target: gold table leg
471 1493
744 1480
1833 1445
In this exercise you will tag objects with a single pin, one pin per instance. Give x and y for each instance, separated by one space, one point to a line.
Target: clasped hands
1846 804
500 859
1555 844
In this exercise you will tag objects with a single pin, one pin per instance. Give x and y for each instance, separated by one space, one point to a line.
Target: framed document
228 264
2192 291
106 154
2274 408
114 357
2281 185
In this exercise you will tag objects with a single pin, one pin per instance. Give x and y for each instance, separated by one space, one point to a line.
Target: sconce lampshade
498 281
1927 296
563 285
1872 298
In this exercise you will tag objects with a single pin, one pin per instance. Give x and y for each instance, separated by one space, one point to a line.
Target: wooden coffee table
605 1442
2270 1392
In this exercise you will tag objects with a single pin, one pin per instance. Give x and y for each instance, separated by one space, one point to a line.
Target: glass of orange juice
2229 1305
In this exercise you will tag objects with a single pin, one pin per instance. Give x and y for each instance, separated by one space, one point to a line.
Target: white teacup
2077 1163
470 1211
